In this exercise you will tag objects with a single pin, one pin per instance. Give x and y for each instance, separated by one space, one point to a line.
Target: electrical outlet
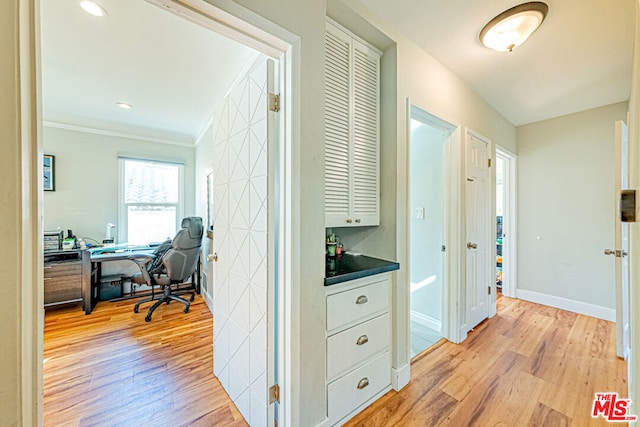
418 213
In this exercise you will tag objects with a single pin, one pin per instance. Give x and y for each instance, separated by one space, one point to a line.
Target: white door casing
480 259
242 222
621 250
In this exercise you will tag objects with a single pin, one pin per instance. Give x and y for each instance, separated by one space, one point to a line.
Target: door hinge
443 248
489 162
489 290
274 102
274 394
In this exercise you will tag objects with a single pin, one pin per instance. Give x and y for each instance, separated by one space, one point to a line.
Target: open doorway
120 142
505 221
428 181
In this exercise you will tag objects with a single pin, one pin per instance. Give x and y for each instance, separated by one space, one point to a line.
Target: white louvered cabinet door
337 127
352 130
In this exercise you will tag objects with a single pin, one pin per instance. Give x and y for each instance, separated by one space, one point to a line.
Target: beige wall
87 178
566 206
10 189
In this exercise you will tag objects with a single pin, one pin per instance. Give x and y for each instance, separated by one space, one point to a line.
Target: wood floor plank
111 368
528 365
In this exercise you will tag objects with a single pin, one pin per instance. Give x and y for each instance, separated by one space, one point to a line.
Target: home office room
137 136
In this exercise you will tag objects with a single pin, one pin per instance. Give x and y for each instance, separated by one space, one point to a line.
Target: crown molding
118 134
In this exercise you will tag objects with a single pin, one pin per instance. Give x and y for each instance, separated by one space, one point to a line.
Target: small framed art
49 172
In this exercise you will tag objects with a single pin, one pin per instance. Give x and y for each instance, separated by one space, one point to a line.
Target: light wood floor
530 365
111 368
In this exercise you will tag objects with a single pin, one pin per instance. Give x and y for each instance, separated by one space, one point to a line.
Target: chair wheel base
135 309
186 310
147 319
193 296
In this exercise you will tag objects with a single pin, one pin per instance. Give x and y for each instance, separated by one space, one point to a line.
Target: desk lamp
108 239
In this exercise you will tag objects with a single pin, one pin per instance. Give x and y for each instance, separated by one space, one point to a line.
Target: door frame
509 225
243 26
451 314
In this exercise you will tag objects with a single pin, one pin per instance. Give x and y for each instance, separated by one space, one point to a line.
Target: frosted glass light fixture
124 105
93 8
513 27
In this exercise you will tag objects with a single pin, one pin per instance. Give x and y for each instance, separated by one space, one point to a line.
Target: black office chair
172 266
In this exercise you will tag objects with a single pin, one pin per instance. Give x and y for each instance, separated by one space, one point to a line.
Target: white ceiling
172 71
580 58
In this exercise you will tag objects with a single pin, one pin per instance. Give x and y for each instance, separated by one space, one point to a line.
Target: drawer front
349 348
61 269
349 306
62 288
346 394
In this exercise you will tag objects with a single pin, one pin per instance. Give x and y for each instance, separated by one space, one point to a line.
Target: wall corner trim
400 377
579 307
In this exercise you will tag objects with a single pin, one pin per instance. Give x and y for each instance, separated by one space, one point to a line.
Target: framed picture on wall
49 172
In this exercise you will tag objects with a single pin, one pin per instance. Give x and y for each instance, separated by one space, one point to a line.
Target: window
150 200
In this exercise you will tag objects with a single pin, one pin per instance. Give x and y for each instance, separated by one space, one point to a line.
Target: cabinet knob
363 383
349 221
362 340
362 299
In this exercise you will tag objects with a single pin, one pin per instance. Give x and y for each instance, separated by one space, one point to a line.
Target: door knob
472 245
212 257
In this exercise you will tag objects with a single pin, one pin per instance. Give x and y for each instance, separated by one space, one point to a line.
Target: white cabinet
358 345
352 123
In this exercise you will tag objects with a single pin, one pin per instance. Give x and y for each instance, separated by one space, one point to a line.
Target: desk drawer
62 282
349 392
348 348
349 306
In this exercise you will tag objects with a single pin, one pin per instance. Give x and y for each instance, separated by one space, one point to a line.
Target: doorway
264 43
428 180
505 221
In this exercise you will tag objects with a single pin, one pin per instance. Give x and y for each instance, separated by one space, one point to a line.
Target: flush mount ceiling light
124 105
93 8
513 27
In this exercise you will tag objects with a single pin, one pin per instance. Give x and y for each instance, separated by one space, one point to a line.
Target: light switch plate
418 213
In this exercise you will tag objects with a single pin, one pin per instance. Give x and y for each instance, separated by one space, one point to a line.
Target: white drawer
348 348
349 392
348 306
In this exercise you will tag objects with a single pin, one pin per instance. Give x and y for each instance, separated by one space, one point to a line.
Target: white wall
634 238
427 234
87 178
566 206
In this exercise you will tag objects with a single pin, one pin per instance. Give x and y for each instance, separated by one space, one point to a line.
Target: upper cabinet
352 123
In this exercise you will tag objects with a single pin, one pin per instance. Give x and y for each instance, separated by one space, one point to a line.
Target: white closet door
366 64
337 126
241 218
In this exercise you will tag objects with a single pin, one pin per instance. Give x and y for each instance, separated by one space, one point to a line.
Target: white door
480 262
243 282
621 249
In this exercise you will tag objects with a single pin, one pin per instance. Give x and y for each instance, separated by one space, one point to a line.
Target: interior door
480 263
621 250
243 274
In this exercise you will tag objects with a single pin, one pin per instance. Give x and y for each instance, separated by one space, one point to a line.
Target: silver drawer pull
362 340
363 383
362 299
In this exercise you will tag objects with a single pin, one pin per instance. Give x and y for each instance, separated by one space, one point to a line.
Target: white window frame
123 218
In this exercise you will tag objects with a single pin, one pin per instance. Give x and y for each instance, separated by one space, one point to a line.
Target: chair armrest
142 261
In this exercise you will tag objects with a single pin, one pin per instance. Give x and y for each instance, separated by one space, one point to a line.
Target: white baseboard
568 304
400 377
207 298
427 321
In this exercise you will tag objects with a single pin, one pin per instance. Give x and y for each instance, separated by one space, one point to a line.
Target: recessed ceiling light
93 8
124 105
513 27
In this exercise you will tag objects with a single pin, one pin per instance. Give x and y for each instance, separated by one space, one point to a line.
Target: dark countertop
347 267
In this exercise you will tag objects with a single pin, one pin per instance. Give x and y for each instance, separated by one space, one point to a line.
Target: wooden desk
92 270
